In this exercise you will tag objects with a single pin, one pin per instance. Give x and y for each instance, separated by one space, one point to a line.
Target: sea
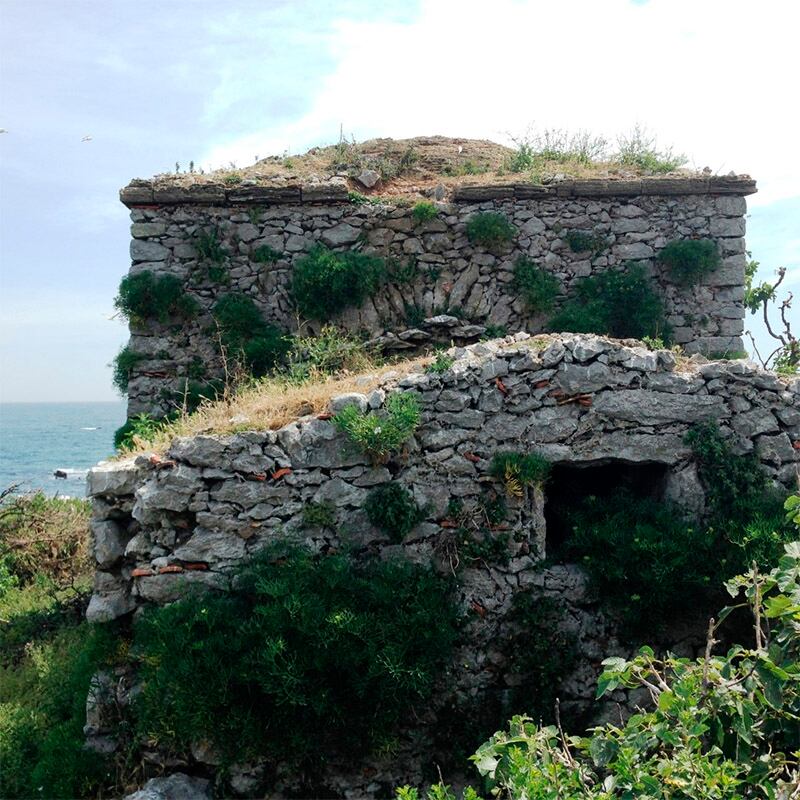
36 439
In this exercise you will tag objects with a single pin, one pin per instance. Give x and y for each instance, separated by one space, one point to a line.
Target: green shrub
645 558
689 260
494 332
42 714
309 655
586 242
518 470
537 287
378 435
717 727
490 229
123 365
326 283
141 425
742 507
392 508
247 336
319 515
209 247
144 296
424 211
619 303
266 255
441 363
332 352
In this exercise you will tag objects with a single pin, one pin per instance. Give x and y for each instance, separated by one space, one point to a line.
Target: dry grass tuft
271 403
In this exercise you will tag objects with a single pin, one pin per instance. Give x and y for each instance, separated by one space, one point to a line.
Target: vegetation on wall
122 367
620 303
519 470
392 508
424 211
654 563
247 336
716 727
585 242
689 260
537 287
327 282
144 296
142 426
645 558
308 655
331 352
264 254
379 435
490 229
209 246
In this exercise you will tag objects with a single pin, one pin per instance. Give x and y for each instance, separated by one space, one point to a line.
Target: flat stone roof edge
152 193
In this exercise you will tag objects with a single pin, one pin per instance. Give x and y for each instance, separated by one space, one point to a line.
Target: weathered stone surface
341 234
177 786
448 271
211 547
644 407
112 478
108 542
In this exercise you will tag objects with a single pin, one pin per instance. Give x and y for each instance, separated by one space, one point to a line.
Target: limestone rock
177 786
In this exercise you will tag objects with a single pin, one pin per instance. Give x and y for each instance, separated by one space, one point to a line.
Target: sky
96 92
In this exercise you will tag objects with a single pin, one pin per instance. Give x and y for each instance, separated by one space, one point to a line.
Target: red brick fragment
142 572
196 566
170 568
501 386
472 457
478 608
280 473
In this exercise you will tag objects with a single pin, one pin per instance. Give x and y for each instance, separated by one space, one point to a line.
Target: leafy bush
441 363
690 259
308 655
42 714
392 508
379 435
518 470
742 507
424 211
537 287
209 247
585 241
716 728
645 558
332 352
123 365
144 296
266 255
619 303
319 515
490 229
142 425
248 336
326 283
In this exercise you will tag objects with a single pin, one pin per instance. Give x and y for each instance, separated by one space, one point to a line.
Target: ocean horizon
36 439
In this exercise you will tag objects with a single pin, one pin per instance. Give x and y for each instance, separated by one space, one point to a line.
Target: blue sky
153 83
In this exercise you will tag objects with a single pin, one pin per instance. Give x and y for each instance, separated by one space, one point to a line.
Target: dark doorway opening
570 484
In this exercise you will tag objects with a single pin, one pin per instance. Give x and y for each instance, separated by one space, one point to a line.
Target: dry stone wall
452 289
162 523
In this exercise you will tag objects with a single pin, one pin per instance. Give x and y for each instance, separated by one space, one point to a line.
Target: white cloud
712 78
